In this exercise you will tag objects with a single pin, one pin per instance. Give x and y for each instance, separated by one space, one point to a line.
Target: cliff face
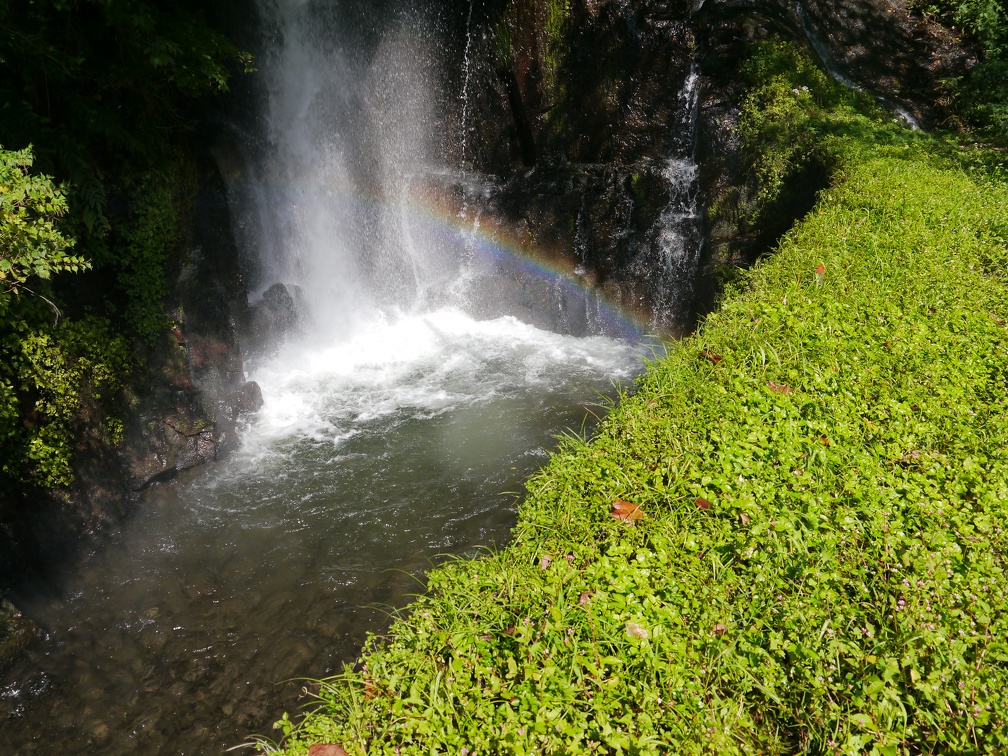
182 410
594 113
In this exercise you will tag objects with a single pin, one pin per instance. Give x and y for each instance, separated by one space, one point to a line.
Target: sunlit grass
824 474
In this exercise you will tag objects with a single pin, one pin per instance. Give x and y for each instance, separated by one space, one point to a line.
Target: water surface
373 457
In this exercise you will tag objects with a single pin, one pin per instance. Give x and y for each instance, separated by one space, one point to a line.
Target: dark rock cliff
602 92
182 411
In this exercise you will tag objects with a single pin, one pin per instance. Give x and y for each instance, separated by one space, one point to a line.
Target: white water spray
395 292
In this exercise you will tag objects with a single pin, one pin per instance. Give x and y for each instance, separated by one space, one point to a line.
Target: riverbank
790 537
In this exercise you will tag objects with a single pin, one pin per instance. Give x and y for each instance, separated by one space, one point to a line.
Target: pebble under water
194 625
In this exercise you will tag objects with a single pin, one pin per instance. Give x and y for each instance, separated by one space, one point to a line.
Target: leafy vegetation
791 538
30 242
981 95
105 92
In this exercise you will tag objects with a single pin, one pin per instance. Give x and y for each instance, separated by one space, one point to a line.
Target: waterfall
350 116
678 233
348 200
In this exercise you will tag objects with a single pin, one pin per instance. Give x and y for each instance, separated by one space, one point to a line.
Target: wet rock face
609 126
618 69
899 57
607 220
612 112
621 77
190 414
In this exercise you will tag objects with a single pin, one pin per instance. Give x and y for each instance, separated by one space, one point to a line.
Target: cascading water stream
678 234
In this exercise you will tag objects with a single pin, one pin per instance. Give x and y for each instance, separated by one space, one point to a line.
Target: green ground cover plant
790 538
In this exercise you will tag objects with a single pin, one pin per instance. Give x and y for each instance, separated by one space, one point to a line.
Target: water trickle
828 61
466 76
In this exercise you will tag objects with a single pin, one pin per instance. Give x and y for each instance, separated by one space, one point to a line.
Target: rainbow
432 208
505 247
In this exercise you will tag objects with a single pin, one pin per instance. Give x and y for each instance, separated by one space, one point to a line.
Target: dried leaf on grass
633 630
626 511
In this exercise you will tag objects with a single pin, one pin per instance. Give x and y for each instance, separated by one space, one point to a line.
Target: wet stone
16 632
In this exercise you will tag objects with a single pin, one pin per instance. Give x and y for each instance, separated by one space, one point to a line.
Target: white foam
420 365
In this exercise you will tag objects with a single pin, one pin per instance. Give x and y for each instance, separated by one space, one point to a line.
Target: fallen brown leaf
626 511
327 749
780 388
704 504
715 358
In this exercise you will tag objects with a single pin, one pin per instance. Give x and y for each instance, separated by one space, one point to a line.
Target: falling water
678 235
466 77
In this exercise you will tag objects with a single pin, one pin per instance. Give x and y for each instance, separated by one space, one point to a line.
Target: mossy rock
16 632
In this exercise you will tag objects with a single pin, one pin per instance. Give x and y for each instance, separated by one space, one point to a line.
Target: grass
823 476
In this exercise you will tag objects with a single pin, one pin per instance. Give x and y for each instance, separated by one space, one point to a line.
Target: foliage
823 471
981 94
57 383
791 105
143 243
42 371
98 85
106 91
30 242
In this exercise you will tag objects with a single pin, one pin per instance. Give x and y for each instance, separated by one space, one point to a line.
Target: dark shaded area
898 56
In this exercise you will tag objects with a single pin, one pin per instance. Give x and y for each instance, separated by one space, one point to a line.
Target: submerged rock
16 632
277 316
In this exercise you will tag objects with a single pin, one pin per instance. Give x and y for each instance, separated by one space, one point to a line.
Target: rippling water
372 458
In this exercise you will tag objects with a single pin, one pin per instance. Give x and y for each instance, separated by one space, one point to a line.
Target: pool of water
196 623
